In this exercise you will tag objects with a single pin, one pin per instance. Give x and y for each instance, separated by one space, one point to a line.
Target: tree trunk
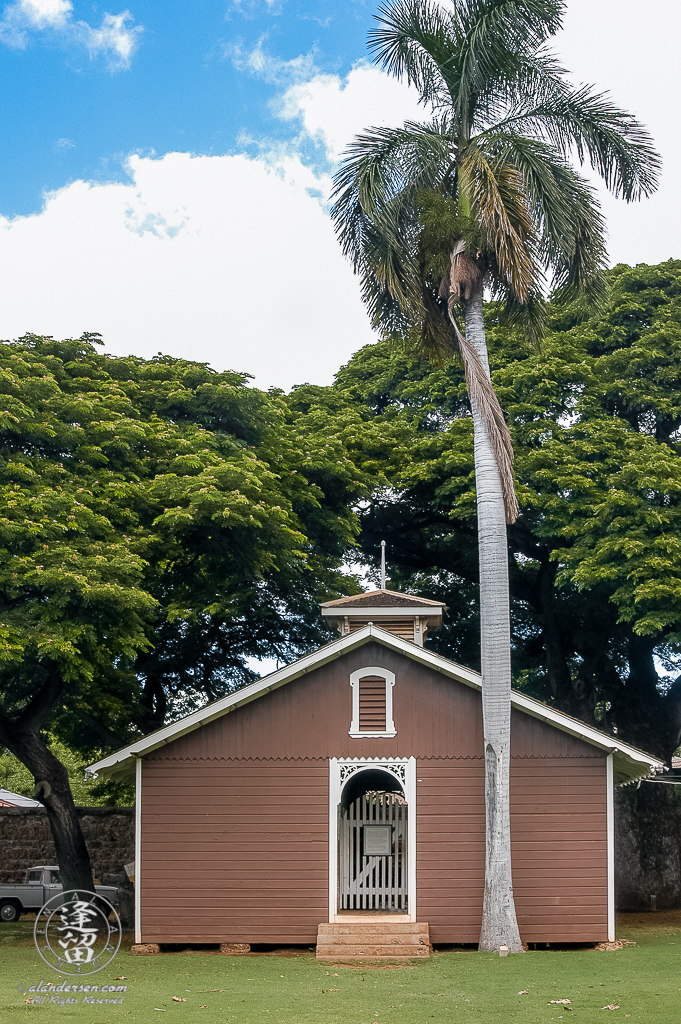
641 718
499 924
54 792
557 669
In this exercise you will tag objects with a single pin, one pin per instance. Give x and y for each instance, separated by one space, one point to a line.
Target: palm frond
530 317
416 40
568 222
375 209
498 34
497 195
518 23
383 164
527 80
617 146
579 267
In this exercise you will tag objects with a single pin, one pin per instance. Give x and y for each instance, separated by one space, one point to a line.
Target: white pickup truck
40 884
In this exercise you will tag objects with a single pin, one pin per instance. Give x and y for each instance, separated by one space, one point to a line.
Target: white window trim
389 677
397 766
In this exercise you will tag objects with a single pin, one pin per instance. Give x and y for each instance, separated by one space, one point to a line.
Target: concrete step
366 951
384 925
408 932
373 940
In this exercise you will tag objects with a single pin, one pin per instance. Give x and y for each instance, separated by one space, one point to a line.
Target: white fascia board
586 732
425 612
527 704
146 744
138 850
121 760
610 829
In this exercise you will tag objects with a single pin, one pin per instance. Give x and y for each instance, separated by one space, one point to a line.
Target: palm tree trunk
499 924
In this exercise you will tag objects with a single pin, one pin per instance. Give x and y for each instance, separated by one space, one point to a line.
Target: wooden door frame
341 769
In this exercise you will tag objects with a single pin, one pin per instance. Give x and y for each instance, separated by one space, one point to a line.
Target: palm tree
483 195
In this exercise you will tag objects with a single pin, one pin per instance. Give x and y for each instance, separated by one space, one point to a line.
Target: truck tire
9 911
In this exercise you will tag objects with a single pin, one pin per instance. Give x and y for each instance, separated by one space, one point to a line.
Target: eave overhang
629 763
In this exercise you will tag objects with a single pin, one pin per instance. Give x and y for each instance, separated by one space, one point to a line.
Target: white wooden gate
366 881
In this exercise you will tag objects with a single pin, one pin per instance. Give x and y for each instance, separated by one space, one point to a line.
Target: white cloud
224 259
268 67
252 8
332 110
44 13
116 38
232 259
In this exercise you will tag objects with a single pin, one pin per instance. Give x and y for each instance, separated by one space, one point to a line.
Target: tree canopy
594 562
160 524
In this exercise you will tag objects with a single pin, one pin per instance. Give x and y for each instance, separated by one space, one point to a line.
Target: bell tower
403 615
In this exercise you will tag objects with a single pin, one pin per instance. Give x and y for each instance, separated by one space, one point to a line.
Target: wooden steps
373 940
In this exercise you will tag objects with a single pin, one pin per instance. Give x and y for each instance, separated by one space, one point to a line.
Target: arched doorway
373 870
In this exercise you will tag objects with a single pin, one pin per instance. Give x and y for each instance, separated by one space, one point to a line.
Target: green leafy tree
483 193
159 524
595 417
86 792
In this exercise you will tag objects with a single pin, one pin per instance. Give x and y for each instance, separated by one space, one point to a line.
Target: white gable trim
630 763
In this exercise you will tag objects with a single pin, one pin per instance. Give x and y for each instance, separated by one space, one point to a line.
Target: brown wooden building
349 786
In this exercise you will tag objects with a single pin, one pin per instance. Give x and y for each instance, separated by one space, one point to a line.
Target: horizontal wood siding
558 826
234 851
559 837
310 719
235 814
450 843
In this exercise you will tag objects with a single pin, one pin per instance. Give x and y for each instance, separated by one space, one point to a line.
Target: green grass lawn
644 981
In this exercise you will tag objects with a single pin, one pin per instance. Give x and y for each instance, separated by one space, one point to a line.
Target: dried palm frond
484 399
497 195
465 275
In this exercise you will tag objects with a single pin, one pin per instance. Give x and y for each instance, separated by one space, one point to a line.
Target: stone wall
648 847
25 839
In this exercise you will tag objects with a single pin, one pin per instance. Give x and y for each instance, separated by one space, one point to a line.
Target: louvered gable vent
372 701
372 704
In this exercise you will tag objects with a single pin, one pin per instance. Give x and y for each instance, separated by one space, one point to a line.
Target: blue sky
69 112
165 168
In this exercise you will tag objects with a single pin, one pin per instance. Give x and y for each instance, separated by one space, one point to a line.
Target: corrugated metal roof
17 800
